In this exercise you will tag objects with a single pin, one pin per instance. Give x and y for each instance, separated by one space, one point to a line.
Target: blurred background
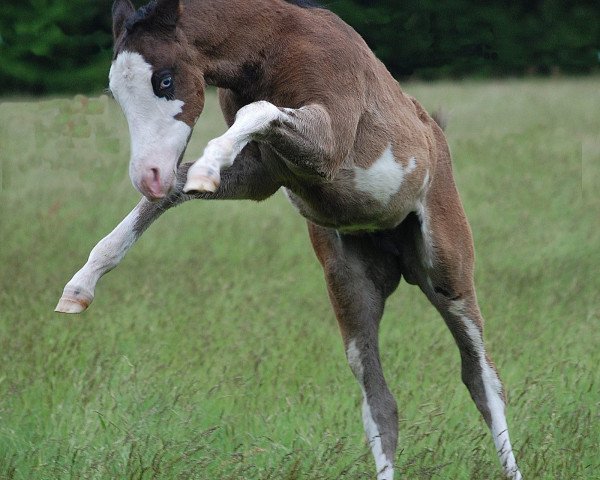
64 46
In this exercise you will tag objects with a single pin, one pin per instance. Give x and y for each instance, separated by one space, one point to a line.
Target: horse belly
359 199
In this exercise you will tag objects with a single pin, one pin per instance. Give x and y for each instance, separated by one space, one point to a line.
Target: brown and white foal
310 109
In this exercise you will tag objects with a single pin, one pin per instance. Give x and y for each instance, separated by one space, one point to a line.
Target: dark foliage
65 45
431 39
305 3
54 45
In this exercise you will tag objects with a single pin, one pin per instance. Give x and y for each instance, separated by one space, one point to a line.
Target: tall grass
212 352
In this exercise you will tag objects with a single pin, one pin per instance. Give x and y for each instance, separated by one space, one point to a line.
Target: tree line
49 46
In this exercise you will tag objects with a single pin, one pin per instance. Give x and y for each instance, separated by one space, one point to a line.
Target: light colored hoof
73 301
201 183
69 306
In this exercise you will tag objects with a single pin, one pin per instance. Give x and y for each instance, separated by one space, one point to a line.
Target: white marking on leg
353 355
493 389
385 468
222 151
384 178
105 256
249 120
157 137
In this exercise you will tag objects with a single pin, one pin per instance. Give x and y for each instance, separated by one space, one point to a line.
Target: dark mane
141 15
305 3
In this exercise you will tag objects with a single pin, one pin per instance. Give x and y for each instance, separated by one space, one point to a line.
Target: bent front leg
303 137
248 179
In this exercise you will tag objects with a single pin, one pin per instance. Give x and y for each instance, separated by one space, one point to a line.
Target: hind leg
441 260
479 373
359 278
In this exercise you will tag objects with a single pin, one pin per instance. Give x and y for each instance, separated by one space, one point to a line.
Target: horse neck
231 37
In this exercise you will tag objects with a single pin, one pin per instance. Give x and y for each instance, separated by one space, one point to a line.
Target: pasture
212 351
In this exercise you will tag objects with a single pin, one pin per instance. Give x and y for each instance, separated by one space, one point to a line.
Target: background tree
65 45
428 38
54 45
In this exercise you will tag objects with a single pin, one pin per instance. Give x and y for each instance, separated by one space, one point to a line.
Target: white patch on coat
425 182
384 178
493 389
385 469
427 238
157 137
427 249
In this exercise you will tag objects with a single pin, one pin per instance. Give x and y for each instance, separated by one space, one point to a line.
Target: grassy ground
211 352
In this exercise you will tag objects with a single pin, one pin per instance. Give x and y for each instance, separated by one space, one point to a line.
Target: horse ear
121 11
168 12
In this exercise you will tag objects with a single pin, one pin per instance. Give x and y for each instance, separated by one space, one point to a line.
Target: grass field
212 352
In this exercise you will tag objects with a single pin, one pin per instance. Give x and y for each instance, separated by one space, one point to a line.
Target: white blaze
157 137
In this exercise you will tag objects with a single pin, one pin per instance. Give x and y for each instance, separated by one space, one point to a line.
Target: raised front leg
106 255
248 179
303 137
359 279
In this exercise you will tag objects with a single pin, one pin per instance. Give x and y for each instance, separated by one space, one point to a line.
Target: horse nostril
155 180
152 185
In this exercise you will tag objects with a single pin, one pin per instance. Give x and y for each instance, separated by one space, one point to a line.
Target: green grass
212 352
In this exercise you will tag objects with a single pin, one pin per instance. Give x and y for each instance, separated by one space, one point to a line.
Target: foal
310 109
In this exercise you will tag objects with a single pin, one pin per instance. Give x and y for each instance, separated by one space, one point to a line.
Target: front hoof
73 301
201 183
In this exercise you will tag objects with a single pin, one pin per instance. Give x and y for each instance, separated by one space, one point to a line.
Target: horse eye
165 83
